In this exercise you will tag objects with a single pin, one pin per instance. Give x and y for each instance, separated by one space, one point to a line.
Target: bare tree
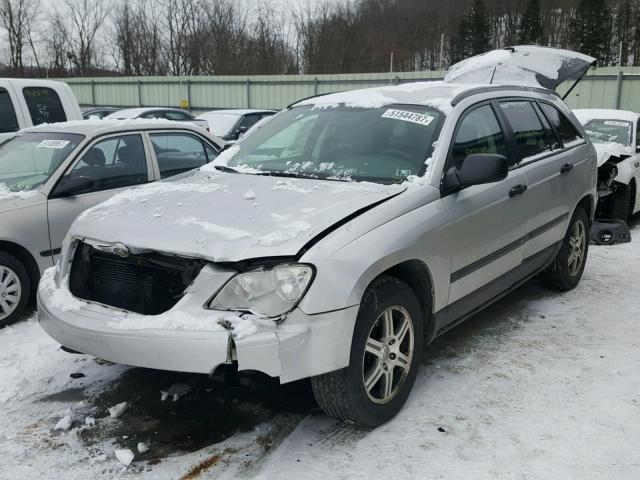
17 18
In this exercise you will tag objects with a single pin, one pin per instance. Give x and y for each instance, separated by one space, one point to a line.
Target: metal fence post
248 93
93 93
189 93
315 86
619 89
140 93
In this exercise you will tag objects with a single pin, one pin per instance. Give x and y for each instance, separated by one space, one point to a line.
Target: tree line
228 37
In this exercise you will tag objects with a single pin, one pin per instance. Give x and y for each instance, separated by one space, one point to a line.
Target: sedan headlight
265 291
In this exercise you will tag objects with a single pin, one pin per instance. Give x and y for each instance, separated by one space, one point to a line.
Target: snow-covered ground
539 386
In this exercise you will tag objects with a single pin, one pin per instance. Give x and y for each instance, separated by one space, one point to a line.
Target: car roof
94 127
436 94
136 112
236 111
31 82
586 114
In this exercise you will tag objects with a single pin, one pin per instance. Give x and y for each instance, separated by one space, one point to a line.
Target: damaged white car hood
227 217
608 150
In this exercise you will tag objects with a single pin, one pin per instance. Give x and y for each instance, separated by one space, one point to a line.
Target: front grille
149 283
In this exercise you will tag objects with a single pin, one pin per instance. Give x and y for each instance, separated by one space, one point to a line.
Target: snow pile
124 456
61 298
6 194
64 423
118 410
227 233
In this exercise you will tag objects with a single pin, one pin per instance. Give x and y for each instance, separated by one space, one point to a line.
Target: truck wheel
14 288
620 204
566 270
385 355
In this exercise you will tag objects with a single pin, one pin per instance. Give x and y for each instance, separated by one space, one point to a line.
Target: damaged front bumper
300 346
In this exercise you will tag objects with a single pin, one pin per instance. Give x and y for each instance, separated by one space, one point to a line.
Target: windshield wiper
224 168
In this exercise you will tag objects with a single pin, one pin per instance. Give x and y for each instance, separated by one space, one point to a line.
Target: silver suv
335 241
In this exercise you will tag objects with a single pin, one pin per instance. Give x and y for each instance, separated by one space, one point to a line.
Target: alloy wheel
10 291
388 354
577 246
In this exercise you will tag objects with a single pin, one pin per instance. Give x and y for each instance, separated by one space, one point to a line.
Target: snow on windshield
609 131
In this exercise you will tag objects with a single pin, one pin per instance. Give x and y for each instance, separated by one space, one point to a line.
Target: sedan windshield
27 161
609 131
383 145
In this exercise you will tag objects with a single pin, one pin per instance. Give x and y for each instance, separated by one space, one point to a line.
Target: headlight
263 291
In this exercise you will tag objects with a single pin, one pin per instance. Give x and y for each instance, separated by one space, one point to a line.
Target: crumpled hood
607 150
227 216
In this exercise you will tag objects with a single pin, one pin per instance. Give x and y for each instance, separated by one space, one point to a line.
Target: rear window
8 120
44 105
566 131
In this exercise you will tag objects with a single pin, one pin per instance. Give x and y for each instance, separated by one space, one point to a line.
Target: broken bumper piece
299 347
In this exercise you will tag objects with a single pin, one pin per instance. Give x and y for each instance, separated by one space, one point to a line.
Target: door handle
517 190
567 167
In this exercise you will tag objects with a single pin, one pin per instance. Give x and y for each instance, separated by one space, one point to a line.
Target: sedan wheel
577 246
10 292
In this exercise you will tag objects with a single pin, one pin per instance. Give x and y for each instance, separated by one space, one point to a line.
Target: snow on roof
136 112
586 114
430 93
94 126
235 111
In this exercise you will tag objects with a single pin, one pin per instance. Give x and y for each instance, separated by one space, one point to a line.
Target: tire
620 204
342 394
565 271
15 289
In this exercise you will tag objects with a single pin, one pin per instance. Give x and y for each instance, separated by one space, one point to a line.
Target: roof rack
490 88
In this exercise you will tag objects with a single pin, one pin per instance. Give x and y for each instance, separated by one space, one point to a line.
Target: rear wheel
14 288
385 354
566 270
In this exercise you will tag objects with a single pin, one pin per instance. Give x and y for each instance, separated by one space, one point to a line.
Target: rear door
176 152
114 163
489 221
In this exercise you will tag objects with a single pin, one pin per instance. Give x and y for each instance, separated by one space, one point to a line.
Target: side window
115 162
548 131
566 131
178 152
44 105
177 116
152 115
8 120
478 132
529 134
249 121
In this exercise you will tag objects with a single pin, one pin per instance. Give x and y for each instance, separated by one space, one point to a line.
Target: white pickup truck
28 102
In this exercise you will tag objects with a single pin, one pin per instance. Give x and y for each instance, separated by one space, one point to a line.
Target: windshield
383 145
27 161
609 131
220 124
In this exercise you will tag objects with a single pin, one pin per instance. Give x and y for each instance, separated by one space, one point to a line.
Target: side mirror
241 131
73 186
476 169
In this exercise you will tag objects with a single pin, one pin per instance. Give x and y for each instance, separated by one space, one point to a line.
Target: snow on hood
5 193
521 65
608 150
227 216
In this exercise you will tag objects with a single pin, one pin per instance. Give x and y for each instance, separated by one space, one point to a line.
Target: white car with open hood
334 241
614 134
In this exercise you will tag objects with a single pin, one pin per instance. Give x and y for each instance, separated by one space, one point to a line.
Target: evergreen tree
623 32
592 30
474 32
530 31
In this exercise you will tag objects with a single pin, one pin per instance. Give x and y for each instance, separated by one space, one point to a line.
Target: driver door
113 164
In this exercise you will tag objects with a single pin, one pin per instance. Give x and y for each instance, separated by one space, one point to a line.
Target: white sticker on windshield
615 123
58 144
407 116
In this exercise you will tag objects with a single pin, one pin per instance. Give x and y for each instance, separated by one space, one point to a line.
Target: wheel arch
27 260
417 275
589 204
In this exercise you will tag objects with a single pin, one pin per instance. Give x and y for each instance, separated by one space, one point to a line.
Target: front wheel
385 354
14 288
566 270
